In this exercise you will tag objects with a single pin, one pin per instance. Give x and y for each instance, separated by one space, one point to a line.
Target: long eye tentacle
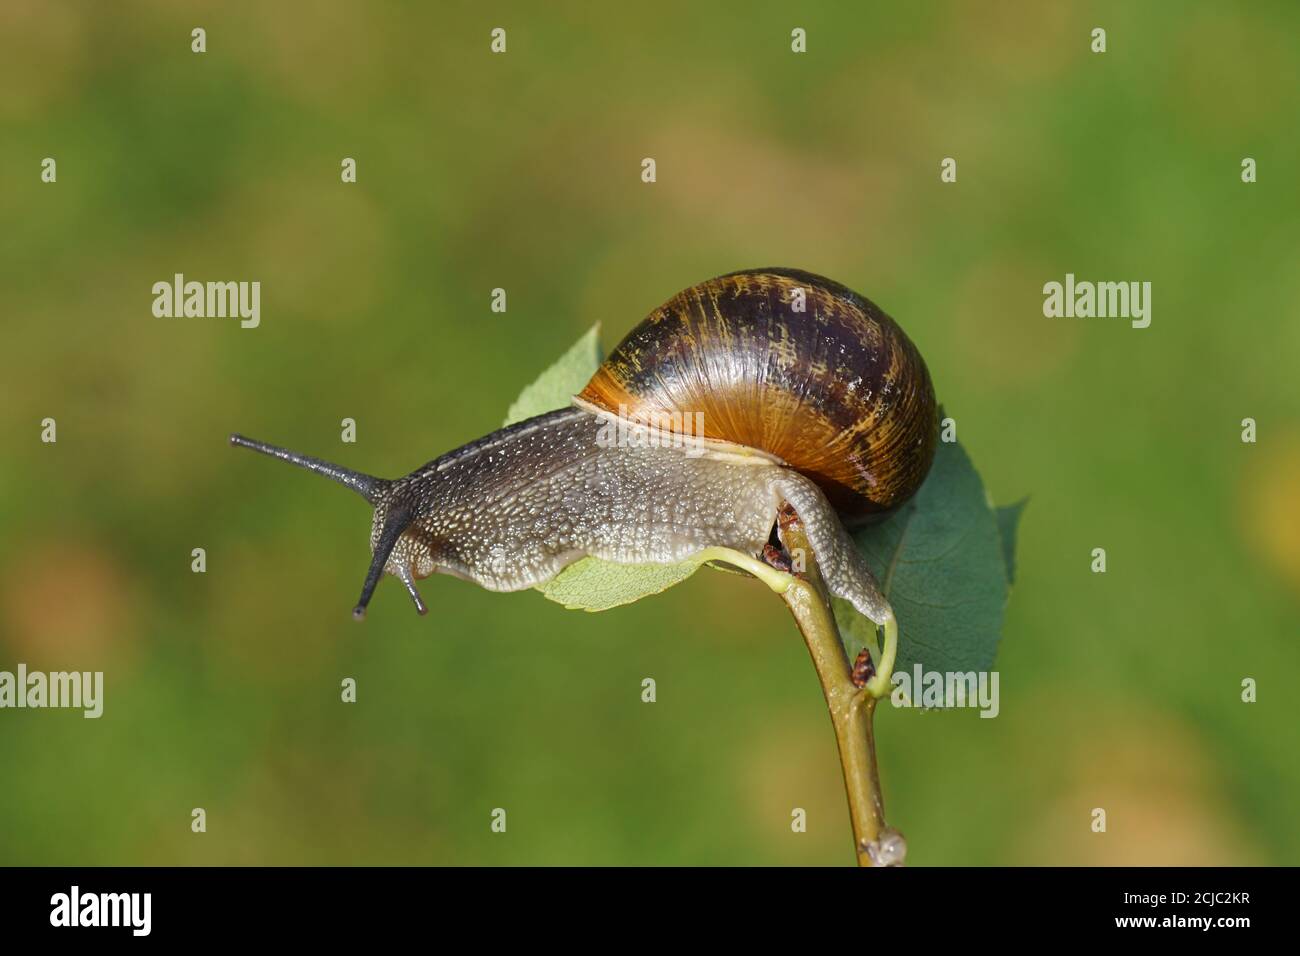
367 486
395 524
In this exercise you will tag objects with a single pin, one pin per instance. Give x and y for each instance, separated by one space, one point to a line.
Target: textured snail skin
511 510
829 408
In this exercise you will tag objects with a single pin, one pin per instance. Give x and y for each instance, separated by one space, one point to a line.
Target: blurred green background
522 171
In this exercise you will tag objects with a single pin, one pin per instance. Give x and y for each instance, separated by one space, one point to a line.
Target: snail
808 395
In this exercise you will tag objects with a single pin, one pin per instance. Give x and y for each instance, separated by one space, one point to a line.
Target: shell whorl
837 391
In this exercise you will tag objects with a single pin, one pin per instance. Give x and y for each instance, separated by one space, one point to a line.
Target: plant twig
851 707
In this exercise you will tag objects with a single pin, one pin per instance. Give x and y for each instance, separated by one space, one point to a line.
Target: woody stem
851 707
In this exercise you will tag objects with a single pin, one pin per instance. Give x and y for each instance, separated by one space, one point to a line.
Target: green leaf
592 584
1008 523
943 563
558 384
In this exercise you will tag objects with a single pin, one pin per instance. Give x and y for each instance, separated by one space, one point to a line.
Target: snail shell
837 391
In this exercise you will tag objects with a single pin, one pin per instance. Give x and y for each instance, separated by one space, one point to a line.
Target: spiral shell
837 390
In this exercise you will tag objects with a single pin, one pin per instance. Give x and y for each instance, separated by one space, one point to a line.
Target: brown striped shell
837 391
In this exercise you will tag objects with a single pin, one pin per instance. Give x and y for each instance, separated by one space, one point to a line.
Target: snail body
827 408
